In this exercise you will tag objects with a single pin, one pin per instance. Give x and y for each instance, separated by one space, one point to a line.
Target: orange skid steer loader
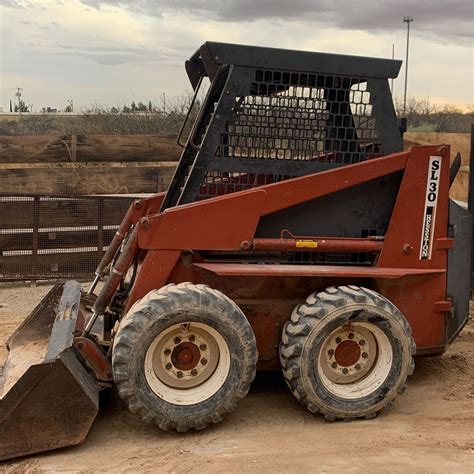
296 235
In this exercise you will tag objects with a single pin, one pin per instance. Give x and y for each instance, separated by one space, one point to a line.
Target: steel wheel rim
187 363
352 373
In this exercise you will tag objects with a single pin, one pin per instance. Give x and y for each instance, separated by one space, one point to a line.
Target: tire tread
306 316
135 323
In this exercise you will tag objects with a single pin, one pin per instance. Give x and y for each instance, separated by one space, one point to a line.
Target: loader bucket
48 399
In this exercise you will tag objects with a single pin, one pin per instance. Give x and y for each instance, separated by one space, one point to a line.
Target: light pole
393 57
406 20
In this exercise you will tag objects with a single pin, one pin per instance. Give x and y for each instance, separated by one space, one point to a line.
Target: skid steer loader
296 234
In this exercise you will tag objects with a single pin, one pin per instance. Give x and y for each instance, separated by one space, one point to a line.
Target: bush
422 116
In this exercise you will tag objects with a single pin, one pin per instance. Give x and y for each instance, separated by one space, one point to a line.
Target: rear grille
292 258
331 258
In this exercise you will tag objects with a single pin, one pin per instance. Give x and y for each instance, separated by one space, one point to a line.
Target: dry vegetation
100 122
422 116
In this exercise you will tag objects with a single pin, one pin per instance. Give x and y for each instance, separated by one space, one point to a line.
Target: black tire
146 322
312 371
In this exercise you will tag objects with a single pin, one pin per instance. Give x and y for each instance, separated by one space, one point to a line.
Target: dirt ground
430 428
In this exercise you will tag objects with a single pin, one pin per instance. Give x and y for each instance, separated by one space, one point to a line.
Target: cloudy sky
111 52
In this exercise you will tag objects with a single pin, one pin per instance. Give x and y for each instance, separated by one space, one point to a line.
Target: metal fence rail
44 237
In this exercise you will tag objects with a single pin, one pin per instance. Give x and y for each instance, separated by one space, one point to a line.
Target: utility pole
406 20
18 95
164 102
393 57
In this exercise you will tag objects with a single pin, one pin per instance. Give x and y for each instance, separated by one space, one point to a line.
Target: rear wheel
347 353
184 356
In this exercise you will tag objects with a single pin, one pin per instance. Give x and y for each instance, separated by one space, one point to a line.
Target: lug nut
351 335
334 365
345 371
203 347
180 375
338 340
177 340
357 366
167 352
361 342
192 338
203 361
194 372
330 352
365 355
168 366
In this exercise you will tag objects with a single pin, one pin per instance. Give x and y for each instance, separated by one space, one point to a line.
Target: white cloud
109 52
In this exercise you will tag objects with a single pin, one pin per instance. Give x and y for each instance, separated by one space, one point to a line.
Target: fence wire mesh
44 237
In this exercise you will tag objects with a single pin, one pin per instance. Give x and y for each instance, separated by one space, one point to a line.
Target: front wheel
183 356
346 353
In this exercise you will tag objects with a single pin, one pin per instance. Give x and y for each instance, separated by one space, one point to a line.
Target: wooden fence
79 165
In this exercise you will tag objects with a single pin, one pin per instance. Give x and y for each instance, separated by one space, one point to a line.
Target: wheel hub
349 354
185 356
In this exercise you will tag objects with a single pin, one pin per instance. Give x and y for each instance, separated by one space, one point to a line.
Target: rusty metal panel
56 236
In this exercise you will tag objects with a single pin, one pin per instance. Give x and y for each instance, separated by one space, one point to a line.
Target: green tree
141 107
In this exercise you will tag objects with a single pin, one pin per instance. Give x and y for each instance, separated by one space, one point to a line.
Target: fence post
35 242
100 229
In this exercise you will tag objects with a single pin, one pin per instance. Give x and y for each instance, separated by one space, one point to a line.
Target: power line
393 57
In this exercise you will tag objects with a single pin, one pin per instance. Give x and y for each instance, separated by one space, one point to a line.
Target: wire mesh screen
291 116
294 117
56 237
218 184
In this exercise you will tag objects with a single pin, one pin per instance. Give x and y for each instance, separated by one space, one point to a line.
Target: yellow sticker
309 244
